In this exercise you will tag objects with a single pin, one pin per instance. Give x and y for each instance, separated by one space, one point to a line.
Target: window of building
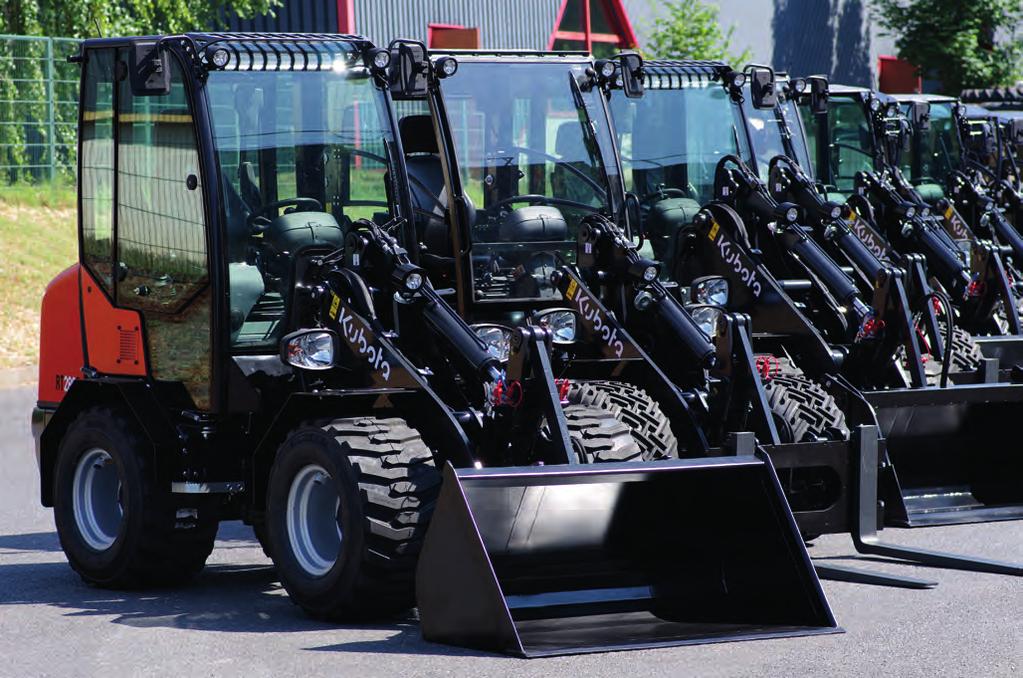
598 26
450 36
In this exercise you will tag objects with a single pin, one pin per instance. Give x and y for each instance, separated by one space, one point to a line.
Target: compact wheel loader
254 331
709 213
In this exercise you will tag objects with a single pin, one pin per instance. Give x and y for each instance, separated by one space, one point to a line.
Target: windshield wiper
590 130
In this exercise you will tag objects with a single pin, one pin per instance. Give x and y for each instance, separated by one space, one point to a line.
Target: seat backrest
426 181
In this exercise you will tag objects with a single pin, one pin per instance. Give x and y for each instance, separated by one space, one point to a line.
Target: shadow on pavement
223 598
32 541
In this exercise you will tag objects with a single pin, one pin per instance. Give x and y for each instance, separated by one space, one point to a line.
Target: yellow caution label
572 287
852 215
335 306
949 212
714 228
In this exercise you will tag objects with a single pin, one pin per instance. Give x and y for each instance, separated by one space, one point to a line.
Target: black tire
387 483
154 545
803 411
599 436
966 355
634 407
259 530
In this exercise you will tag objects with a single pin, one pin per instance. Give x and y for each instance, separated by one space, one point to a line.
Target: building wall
504 24
804 37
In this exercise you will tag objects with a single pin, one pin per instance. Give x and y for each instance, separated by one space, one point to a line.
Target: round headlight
707 319
792 214
607 69
925 211
562 325
413 281
910 212
220 57
496 338
799 86
446 67
836 211
712 291
739 79
650 273
875 104
382 59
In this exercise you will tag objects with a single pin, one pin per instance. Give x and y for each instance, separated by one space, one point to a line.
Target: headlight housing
563 324
708 319
497 339
712 290
309 349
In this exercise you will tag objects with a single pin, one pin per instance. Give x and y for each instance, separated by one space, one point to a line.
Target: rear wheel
119 528
347 508
634 407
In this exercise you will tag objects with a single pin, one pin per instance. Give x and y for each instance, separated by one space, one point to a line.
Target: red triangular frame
624 36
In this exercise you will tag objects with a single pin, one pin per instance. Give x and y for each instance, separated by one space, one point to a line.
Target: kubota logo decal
955 225
360 338
867 235
733 257
595 317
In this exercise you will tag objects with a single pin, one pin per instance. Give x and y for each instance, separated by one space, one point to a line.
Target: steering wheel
535 198
260 218
597 188
664 193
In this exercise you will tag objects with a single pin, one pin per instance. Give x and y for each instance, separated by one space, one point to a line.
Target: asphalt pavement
235 619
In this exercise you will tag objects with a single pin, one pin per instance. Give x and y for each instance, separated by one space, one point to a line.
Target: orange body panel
60 341
113 336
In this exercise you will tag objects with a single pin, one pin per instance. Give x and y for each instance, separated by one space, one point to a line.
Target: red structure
598 26
898 76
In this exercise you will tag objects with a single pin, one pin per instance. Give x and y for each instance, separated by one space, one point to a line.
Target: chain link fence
38 109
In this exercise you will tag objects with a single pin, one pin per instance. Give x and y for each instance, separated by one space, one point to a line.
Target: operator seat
426 182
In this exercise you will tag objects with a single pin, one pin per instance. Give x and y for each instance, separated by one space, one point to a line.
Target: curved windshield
776 131
938 148
674 138
534 156
852 147
302 154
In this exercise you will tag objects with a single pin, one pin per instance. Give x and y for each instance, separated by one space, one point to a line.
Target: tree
689 29
90 18
962 44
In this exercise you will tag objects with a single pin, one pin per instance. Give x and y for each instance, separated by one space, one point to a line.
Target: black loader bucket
956 454
538 561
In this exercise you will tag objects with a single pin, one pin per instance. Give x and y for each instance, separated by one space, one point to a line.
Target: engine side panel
60 343
113 335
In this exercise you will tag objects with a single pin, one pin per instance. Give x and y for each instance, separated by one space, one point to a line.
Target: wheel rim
314 529
96 499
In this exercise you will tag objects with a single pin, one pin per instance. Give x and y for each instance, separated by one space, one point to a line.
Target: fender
135 395
423 409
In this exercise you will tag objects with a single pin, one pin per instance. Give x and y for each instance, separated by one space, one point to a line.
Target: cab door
146 285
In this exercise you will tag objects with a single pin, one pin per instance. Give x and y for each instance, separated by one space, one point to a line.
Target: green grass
37 241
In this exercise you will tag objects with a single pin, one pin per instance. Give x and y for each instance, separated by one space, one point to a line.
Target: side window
161 240
97 166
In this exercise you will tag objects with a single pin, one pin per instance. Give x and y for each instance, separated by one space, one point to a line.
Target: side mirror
819 93
149 69
409 70
762 86
632 74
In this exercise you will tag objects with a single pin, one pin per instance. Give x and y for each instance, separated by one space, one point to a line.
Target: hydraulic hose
946 304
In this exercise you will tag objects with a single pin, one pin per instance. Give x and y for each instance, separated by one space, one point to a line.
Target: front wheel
347 509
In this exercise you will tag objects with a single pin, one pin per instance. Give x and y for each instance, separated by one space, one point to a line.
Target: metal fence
38 109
